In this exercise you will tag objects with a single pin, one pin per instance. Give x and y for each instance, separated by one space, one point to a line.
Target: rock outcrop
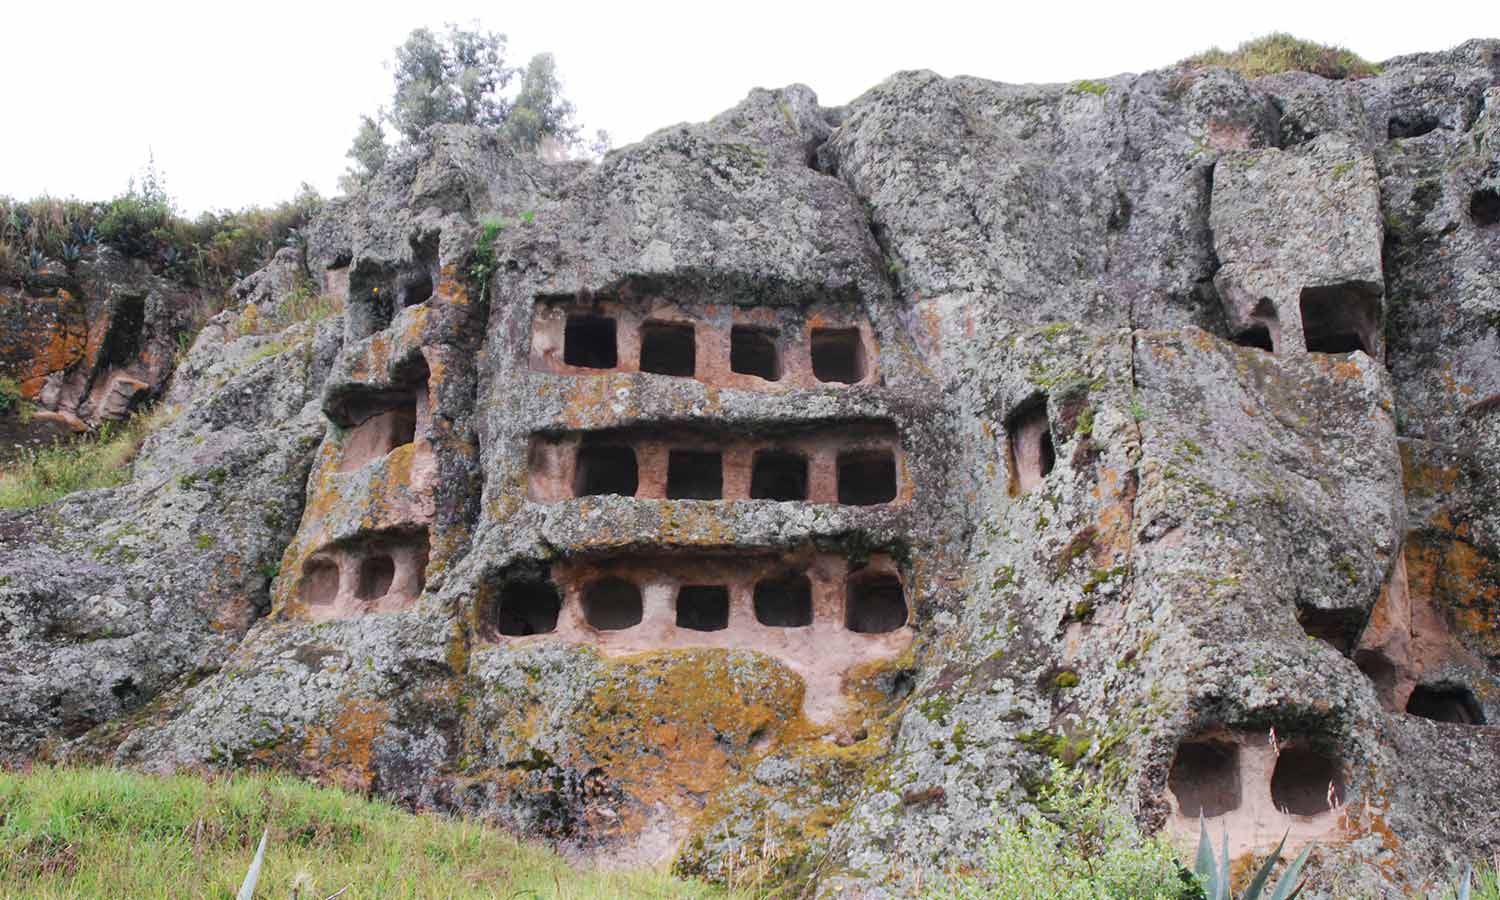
794 486
94 342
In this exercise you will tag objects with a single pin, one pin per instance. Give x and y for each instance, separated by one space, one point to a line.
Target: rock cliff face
792 486
92 343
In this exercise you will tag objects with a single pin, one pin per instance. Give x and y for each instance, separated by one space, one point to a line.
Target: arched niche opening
1205 778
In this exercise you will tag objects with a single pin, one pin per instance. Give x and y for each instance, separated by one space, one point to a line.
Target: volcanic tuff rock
798 483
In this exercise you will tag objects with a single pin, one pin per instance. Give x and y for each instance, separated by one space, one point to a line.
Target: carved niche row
763 354
854 464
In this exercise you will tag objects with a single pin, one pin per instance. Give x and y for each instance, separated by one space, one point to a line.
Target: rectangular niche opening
1445 702
320 582
703 607
784 602
669 348
1032 455
612 604
1306 781
875 604
838 355
867 477
589 342
527 607
1205 778
1340 318
778 475
695 475
753 351
605 469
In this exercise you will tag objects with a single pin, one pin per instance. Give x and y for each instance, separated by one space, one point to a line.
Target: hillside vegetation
1281 52
87 833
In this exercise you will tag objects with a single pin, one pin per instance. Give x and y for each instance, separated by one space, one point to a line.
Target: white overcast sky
242 101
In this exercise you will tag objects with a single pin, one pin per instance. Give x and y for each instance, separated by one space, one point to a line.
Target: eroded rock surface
797 484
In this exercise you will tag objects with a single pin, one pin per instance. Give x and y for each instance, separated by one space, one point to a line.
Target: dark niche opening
414 287
875 604
122 343
1445 703
778 475
1484 207
1410 126
838 354
752 351
1306 782
668 348
605 470
867 477
784 602
1257 336
589 342
1205 778
1032 454
612 604
1340 318
527 607
703 607
376 574
320 582
695 475
1338 627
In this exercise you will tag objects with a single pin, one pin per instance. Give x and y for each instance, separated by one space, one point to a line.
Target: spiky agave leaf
1287 887
247 888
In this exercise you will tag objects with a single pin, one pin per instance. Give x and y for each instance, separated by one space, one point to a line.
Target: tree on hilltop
461 76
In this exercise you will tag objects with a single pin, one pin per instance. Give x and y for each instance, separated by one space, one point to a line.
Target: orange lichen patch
670 725
1424 479
346 747
451 286
41 335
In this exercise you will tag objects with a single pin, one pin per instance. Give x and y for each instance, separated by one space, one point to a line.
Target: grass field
97 833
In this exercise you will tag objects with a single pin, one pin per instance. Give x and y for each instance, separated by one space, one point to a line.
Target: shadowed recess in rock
1445 702
379 572
605 470
1306 781
1341 318
527 606
1031 450
838 354
669 348
1205 778
703 607
381 419
612 604
753 351
778 475
784 602
1484 207
866 477
1337 627
875 604
589 342
695 475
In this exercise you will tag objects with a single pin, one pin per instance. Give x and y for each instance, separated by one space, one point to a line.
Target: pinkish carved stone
382 573
1031 449
732 347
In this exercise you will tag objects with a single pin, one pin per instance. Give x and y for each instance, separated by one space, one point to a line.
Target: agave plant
1215 876
36 259
71 254
295 238
84 237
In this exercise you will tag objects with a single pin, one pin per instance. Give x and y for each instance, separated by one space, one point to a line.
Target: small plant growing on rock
1216 876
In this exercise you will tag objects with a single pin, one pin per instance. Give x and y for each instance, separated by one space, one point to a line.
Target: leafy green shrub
10 394
1281 52
1078 846
101 459
105 833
